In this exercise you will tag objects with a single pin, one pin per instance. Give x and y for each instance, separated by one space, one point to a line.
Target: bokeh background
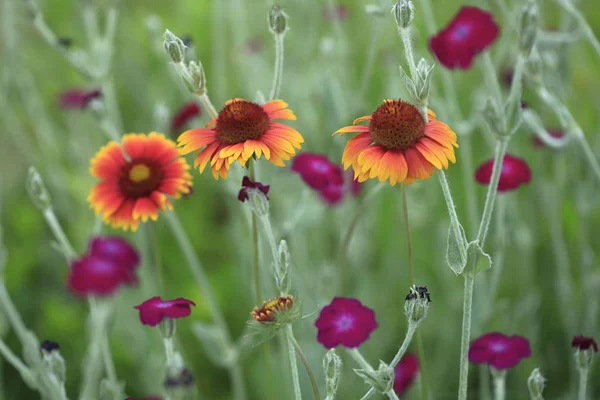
552 223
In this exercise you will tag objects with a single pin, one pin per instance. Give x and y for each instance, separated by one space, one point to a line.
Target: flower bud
493 117
258 202
425 72
53 360
277 20
534 69
536 384
404 12
37 190
174 46
529 26
198 79
332 365
416 304
381 379
282 268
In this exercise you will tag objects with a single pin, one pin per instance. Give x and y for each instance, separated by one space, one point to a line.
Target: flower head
405 373
268 311
49 346
114 248
317 171
398 145
499 351
133 189
515 172
584 343
184 115
153 310
78 98
99 276
248 184
345 322
241 130
470 32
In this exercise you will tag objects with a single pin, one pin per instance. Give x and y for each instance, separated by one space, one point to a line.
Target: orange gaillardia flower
398 145
136 177
243 129
270 308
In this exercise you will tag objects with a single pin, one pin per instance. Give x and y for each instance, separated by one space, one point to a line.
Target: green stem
408 51
489 71
583 378
360 360
412 327
255 243
500 386
208 105
313 382
59 234
582 23
392 395
237 378
454 222
293 366
484 383
347 238
498 258
411 272
109 364
371 53
500 151
278 73
15 361
589 155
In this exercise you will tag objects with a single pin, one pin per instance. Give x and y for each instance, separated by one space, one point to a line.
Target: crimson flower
470 32
539 144
115 248
317 171
153 310
185 114
248 184
405 373
584 343
499 351
77 98
345 322
515 172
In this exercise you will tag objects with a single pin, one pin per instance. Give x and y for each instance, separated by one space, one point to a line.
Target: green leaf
482 260
456 253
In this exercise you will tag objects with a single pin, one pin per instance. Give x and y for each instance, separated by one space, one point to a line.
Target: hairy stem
278 72
411 272
313 382
293 365
583 378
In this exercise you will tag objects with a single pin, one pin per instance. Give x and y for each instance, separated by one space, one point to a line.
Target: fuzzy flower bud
381 379
37 190
493 117
277 20
425 72
536 384
198 79
585 347
533 66
529 26
53 360
174 46
404 12
332 365
416 304
282 268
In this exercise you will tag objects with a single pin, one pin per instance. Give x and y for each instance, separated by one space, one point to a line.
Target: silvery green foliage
37 190
332 367
536 384
282 268
174 47
456 252
403 12
528 26
381 379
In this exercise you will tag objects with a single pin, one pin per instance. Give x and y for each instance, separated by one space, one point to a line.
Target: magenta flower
470 32
317 171
185 114
248 184
332 194
93 275
539 144
515 172
499 351
153 310
77 98
114 248
405 373
345 322
584 343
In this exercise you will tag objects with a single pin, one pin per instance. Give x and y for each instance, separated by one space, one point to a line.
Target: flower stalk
298 349
499 378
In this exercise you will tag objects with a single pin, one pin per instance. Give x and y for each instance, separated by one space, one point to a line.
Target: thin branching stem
311 377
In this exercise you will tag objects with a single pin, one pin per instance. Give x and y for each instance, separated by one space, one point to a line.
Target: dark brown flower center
396 125
241 120
139 178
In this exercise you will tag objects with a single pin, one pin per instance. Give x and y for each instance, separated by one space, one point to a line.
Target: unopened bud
529 26
493 117
174 46
37 190
258 202
404 12
53 360
277 20
534 69
416 304
536 384
198 78
282 268
425 72
332 366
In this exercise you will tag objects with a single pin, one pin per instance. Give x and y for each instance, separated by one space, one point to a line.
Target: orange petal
135 145
144 208
274 105
369 158
393 165
430 114
354 147
205 155
441 130
418 166
290 132
352 128
234 99
233 150
365 118
275 142
195 139
448 152
430 156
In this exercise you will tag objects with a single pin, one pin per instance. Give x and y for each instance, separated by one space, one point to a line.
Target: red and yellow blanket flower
398 145
243 129
136 176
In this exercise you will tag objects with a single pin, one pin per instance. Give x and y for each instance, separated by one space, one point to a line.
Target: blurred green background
551 223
